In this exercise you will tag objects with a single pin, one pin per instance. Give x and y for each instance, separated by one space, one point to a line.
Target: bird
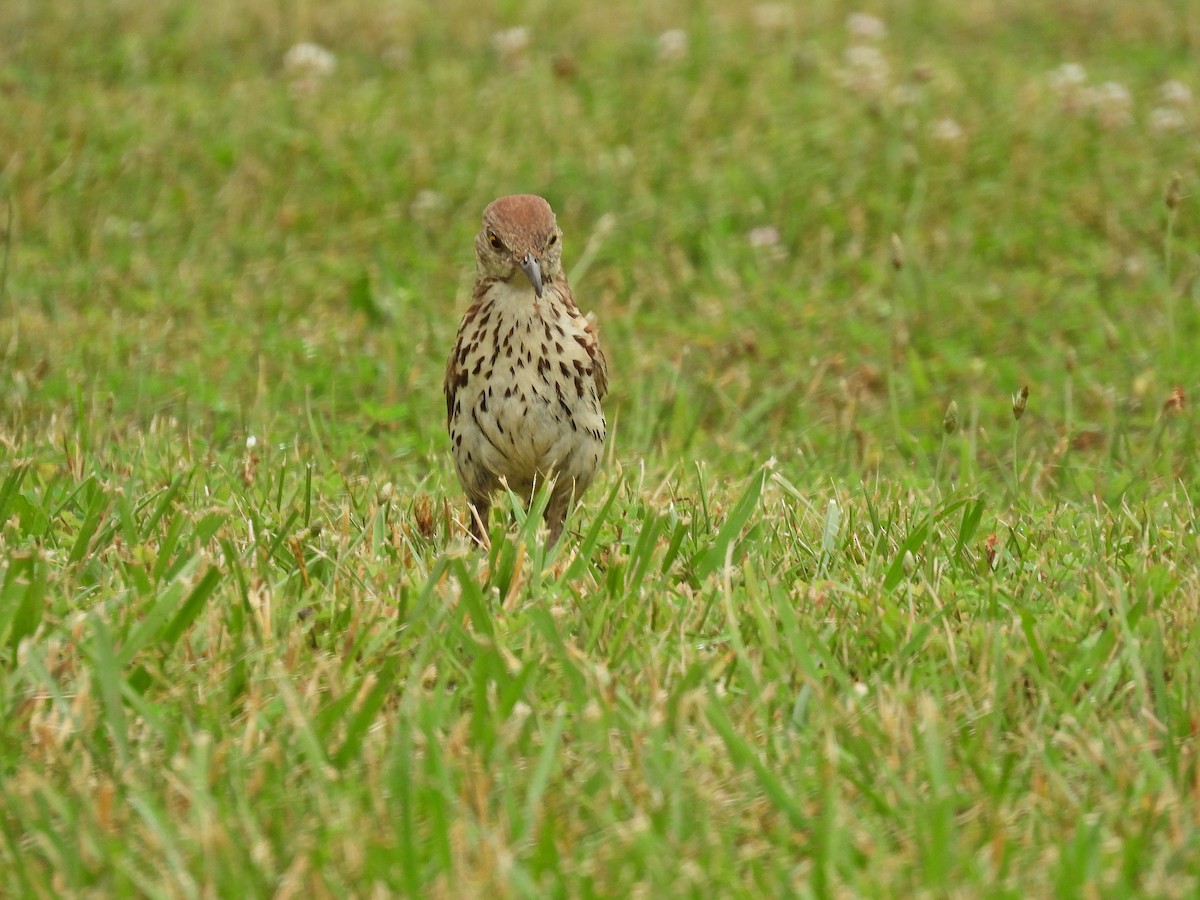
526 376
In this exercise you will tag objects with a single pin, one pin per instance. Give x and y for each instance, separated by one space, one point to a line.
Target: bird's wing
600 362
589 340
456 376
449 384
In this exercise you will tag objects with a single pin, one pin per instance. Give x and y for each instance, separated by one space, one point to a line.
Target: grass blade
714 558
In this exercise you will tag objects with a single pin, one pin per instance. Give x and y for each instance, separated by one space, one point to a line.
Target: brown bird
526 376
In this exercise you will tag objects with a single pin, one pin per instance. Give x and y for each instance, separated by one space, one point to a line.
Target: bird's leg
480 511
556 511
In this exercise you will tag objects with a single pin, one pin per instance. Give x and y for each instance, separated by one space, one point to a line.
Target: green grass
800 640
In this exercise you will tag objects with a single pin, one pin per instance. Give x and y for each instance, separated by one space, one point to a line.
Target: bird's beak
533 272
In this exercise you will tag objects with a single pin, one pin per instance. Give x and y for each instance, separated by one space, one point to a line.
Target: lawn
890 583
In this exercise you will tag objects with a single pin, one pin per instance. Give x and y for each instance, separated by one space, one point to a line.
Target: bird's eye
496 243
553 240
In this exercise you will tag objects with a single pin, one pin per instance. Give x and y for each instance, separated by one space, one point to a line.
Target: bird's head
520 238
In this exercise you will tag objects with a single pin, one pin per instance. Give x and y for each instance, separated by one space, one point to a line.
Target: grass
803 637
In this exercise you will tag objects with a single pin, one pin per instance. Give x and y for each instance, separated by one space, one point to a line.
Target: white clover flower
1134 266
1167 120
866 70
511 40
772 18
906 94
621 158
1069 83
309 60
426 203
864 27
1114 93
763 236
947 131
1175 93
511 44
1068 77
766 243
672 45
1112 104
395 56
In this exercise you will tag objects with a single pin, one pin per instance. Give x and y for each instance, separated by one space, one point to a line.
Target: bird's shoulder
586 336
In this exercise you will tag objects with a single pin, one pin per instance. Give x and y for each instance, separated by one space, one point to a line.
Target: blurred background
805 228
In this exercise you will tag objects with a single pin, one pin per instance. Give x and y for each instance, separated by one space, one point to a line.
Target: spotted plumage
525 379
